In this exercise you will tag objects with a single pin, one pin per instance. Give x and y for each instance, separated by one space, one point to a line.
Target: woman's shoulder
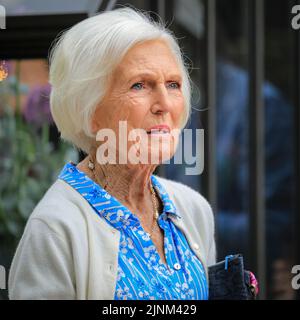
60 208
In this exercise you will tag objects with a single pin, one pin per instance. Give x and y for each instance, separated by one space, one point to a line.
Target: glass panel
278 94
232 216
36 7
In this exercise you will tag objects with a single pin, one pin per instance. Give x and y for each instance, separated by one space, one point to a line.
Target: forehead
153 55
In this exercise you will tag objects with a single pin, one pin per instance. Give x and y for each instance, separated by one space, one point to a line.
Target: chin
161 155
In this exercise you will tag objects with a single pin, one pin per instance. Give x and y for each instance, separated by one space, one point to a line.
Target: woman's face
145 91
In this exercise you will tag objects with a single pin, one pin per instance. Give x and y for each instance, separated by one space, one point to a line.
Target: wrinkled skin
145 90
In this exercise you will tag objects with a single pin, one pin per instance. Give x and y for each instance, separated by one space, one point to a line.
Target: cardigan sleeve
212 254
42 265
208 220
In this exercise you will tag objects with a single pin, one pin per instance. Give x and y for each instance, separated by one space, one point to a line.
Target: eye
174 85
137 86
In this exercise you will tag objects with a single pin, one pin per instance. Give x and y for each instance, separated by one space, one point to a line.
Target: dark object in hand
229 281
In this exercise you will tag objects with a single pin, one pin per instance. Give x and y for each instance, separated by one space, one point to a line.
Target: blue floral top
141 273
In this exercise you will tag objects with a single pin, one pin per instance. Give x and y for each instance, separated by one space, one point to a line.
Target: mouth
159 130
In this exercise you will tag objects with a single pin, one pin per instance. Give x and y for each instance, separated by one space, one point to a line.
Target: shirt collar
168 204
106 205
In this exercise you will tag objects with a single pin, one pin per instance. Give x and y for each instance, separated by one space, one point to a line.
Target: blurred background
244 61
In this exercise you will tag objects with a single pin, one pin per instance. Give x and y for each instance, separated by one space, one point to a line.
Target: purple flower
9 67
37 107
5 69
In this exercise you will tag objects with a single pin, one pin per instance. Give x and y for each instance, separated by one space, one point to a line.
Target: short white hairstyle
82 59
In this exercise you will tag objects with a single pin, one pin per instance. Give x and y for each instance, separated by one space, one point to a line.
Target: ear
94 121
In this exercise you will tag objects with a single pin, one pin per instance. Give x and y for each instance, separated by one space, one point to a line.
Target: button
177 266
196 246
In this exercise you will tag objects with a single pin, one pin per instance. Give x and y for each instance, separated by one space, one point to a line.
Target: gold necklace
91 166
155 215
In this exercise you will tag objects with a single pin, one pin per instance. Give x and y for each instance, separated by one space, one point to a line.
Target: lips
159 129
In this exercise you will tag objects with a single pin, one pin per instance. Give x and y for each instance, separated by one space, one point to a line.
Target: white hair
83 58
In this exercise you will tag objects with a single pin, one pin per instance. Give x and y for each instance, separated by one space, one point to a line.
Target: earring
91 165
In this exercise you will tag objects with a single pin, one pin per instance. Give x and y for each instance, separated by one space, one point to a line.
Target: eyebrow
174 76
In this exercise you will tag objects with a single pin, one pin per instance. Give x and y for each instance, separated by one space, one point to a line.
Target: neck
130 184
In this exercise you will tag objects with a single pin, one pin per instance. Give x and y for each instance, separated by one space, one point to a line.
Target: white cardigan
68 252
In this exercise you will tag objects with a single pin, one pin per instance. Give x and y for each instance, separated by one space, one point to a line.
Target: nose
162 101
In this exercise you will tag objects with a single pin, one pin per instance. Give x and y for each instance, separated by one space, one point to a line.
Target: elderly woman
114 230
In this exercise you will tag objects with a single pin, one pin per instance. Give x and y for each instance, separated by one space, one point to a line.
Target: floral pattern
141 273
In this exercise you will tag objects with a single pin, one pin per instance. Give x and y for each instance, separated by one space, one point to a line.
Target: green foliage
28 165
